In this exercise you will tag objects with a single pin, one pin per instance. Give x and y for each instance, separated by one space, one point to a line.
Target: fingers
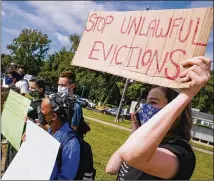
206 61
195 78
197 61
184 79
24 137
194 68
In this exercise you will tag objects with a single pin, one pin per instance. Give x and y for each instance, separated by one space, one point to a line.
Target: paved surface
127 129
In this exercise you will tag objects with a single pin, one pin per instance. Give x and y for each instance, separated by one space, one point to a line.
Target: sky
59 19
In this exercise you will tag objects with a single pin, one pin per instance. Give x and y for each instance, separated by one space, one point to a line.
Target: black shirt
33 113
180 148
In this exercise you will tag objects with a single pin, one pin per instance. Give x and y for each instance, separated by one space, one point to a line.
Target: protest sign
13 116
36 157
146 46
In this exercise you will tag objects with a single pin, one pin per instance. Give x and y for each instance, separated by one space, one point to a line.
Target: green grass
105 140
204 167
202 146
127 124
106 118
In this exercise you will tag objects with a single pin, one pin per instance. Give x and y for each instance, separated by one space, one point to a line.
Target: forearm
114 163
152 132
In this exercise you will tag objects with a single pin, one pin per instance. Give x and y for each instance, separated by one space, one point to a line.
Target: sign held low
146 46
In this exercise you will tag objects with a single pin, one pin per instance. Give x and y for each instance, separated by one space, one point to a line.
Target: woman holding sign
160 148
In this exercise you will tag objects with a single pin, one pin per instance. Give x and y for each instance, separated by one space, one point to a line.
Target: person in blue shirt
66 84
55 115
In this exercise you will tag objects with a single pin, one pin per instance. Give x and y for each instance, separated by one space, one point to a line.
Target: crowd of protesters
158 147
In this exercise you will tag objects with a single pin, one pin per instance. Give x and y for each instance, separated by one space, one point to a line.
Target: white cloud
66 16
35 20
14 32
200 4
135 7
3 13
69 16
63 39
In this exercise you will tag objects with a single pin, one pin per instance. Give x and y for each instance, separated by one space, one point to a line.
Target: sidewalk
127 129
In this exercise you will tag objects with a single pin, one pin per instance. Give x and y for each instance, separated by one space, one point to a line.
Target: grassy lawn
202 146
105 140
127 124
105 117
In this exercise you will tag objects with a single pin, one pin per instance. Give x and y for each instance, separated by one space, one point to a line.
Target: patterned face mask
146 112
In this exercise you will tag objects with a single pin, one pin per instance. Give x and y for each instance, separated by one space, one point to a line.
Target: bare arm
147 156
114 163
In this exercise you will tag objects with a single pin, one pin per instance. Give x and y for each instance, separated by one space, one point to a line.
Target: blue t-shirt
77 115
70 156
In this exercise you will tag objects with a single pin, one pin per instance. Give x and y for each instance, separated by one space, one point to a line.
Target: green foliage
5 60
205 98
29 50
94 85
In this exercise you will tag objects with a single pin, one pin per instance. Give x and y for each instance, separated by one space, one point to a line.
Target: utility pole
121 101
83 90
124 93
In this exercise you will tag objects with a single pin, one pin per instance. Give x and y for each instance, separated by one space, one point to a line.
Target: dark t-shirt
33 111
180 148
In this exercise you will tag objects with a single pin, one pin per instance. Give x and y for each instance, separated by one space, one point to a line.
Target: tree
5 60
55 65
75 40
29 50
205 98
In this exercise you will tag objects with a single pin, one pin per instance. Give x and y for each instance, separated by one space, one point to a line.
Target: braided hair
63 105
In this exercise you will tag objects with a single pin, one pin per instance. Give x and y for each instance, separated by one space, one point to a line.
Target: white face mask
63 89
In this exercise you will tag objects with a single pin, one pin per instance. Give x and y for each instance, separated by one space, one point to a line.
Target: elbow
128 156
110 170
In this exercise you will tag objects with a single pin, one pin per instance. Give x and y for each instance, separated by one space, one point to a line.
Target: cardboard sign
36 157
13 115
146 46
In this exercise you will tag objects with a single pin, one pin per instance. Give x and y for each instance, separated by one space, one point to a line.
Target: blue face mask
146 112
8 80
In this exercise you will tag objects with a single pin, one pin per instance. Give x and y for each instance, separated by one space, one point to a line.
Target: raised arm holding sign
155 47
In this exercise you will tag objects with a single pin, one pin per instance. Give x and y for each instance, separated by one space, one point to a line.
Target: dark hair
63 105
56 103
69 75
15 75
182 126
40 83
83 128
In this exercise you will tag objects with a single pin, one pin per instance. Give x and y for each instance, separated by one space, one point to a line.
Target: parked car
114 111
90 103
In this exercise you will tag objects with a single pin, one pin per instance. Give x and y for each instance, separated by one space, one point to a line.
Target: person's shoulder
18 83
185 155
73 144
178 145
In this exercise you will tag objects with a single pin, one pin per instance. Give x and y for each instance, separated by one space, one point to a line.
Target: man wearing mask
10 80
66 84
22 84
36 92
